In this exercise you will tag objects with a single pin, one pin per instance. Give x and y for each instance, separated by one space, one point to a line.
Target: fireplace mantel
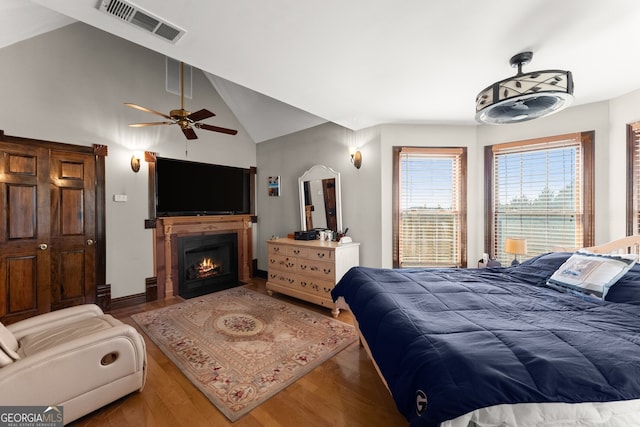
166 246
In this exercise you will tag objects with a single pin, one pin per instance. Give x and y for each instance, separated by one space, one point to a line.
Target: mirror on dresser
320 205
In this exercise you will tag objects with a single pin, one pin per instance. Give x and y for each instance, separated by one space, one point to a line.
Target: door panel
24 232
21 206
22 291
71 266
72 229
71 211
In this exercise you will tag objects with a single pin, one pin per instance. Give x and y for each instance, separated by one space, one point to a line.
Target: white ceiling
360 63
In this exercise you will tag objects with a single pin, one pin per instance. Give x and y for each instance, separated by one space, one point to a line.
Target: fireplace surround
169 230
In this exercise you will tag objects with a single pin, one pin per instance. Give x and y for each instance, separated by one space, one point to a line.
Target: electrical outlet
119 197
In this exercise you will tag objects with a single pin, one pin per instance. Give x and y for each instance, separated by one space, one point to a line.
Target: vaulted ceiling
285 65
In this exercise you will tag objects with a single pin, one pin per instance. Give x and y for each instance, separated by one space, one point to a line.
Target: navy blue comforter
463 339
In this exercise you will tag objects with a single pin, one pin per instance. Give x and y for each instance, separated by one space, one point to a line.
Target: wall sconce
135 162
515 246
356 157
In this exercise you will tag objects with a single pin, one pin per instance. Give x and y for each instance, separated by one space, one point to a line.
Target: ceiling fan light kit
525 96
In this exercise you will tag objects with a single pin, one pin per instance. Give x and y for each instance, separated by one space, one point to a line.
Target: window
633 178
540 190
429 215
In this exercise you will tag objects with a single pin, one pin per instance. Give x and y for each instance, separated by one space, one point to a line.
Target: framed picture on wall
273 186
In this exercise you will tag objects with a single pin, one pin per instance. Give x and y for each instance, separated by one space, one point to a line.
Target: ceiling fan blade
189 133
216 128
139 125
148 110
200 115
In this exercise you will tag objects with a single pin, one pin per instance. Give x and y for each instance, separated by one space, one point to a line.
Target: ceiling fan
181 117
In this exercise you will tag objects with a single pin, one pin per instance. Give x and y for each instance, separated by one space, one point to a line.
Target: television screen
193 188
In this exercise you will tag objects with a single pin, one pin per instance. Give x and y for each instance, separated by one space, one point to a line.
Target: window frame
633 179
396 196
587 142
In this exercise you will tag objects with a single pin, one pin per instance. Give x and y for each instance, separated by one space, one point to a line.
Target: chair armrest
53 319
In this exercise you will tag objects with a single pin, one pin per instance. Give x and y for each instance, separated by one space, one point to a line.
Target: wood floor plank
343 391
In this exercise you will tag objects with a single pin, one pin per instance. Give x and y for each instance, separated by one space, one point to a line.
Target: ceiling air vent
139 17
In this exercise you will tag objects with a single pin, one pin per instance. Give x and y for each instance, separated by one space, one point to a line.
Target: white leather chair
78 358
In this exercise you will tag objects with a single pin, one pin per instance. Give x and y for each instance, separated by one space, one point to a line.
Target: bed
504 346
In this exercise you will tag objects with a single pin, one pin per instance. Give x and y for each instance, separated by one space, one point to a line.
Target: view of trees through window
537 200
537 194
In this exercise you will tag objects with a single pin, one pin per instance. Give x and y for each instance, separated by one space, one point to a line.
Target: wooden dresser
309 269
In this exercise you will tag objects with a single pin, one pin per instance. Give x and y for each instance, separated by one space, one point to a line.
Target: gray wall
327 144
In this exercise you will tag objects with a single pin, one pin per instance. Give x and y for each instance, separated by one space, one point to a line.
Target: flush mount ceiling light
525 96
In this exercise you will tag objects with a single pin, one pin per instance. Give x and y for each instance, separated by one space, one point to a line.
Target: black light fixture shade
525 96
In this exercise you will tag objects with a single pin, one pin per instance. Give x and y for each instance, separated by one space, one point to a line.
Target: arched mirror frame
319 173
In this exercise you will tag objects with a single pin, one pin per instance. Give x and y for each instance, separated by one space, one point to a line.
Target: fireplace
168 230
207 263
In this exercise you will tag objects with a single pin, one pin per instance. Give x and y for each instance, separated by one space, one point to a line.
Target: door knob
43 246
90 242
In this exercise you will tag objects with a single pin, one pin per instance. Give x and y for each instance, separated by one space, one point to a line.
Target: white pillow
8 342
591 274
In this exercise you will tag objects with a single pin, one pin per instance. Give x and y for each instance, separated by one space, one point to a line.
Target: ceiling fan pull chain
186 148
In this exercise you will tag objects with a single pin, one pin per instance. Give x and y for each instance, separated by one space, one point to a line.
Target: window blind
432 209
538 195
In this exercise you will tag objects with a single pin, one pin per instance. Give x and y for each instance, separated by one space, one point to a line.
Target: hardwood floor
344 391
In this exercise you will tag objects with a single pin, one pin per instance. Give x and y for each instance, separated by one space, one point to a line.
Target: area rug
241 347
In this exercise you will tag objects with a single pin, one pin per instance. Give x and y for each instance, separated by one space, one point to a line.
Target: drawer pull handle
327 290
320 254
303 267
290 280
296 251
314 268
327 270
303 283
276 249
290 265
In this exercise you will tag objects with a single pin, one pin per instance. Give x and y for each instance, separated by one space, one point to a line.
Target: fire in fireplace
203 269
207 263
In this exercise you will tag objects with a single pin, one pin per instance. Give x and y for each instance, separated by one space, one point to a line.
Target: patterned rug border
231 414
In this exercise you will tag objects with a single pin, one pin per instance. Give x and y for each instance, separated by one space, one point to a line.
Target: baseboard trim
260 273
128 301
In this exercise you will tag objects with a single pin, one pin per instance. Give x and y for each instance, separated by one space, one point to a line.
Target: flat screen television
193 188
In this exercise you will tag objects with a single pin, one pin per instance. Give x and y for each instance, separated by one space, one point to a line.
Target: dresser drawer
320 254
282 262
283 278
298 252
318 269
276 249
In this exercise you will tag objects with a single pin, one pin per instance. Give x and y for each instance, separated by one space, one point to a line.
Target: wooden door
24 232
52 235
73 229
